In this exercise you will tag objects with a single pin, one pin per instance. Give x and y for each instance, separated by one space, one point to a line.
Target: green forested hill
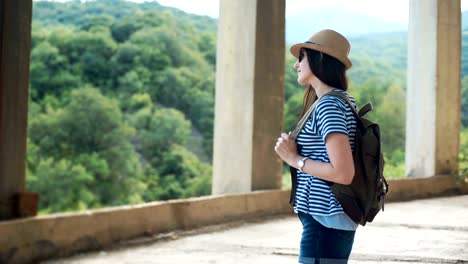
381 55
117 91
85 13
122 98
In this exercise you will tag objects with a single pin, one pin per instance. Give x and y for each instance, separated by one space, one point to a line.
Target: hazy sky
389 10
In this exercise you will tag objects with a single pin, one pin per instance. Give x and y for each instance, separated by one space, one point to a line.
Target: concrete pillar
15 45
433 94
249 95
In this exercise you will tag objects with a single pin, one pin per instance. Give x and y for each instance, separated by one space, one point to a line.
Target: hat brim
295 49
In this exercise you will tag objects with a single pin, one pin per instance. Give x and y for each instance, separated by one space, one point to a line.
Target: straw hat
329 42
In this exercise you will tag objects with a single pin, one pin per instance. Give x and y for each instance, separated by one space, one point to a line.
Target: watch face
300 163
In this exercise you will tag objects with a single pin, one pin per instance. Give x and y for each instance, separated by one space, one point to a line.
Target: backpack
365 196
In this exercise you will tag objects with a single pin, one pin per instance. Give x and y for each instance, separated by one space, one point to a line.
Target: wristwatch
300 163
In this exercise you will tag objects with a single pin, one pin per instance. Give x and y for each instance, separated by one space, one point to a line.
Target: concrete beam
14 82
249 95
434 88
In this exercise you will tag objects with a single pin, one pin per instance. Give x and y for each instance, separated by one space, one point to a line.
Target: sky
388 10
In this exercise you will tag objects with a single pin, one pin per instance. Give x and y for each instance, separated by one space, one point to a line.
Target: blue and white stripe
331 115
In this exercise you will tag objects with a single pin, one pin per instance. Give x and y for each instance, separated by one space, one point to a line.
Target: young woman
320 149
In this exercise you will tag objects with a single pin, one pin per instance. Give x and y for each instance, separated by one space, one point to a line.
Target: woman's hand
286 149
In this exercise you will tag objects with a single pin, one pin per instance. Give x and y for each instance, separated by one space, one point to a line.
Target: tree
140 101
390 114
48 71
90 131
166 127
207 46
292 111
292 87
172 171
90 53
162 42
184 173
129 73
464 102
63 186
134 56
38 34
122 30
463 156
100 22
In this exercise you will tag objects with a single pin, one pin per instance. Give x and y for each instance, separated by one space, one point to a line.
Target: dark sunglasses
302 51
301 55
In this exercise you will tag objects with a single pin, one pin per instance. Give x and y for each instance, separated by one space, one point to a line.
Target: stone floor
422 231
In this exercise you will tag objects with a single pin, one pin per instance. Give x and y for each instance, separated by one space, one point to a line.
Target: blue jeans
320 244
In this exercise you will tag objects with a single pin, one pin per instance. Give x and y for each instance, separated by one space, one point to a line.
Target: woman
320 149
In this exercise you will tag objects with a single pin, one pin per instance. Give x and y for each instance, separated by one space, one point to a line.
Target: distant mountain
300 27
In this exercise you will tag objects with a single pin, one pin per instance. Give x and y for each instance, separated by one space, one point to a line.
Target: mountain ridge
350 24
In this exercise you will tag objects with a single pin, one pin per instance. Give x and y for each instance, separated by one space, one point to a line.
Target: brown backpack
365 196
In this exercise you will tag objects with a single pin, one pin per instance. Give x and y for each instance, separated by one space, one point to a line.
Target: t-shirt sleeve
331 118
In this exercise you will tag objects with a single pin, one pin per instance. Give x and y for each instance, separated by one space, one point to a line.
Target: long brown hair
327 69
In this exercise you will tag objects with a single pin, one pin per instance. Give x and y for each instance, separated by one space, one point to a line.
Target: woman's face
304 74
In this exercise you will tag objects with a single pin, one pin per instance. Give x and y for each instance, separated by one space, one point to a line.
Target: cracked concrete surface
421 231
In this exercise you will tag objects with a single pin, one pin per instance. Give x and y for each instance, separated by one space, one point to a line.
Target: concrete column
434 88
15 48
249 95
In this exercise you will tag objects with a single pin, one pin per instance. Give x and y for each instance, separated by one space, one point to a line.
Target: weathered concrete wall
62 234
419 188
43 237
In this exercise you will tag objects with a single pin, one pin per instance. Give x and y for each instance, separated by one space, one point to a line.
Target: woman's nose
296 65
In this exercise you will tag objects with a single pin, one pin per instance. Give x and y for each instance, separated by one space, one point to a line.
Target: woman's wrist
294 159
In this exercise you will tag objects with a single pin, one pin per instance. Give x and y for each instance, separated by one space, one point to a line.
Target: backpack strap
346 99
306 116
364 110
302 121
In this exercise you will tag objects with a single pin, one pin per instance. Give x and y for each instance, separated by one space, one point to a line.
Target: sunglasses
301 55
302 51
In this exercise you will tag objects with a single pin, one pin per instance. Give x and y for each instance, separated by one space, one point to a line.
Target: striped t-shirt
330 115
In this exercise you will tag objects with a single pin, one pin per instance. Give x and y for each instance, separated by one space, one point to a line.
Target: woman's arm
341 166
